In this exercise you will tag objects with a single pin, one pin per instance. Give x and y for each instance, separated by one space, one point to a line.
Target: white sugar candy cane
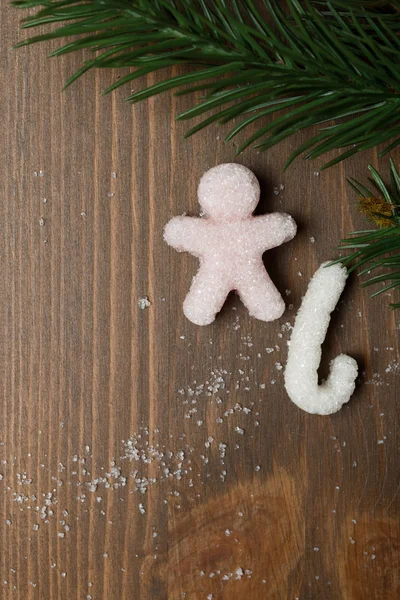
304 357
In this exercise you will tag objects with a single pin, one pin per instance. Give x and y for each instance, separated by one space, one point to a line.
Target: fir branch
377 248
331 64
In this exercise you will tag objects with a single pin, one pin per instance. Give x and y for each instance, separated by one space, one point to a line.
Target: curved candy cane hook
311 325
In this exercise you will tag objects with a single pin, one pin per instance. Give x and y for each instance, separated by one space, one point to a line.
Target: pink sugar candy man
230 242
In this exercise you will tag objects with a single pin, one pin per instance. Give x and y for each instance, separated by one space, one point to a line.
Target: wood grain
123 476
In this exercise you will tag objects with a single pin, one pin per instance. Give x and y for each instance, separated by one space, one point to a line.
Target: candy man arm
186 234
277 229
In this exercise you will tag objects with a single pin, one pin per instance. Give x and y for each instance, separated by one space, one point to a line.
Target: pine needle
377 248
332 65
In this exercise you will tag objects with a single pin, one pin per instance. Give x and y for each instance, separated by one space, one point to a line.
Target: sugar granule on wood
144 303
239 573
304 356
393 367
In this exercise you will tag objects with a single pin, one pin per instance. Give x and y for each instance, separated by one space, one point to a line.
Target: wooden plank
123 474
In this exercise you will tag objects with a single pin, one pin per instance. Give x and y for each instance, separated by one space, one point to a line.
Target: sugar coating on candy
309 331
230 242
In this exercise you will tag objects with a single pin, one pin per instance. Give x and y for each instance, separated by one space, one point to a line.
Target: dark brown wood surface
123 476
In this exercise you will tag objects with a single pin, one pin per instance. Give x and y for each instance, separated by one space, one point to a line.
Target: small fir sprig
332 64
377 248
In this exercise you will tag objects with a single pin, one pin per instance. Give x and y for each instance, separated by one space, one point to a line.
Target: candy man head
226 193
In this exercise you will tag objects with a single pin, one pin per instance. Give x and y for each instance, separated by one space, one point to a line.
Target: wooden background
122 474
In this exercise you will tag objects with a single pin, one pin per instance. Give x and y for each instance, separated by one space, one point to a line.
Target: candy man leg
259 294
206 296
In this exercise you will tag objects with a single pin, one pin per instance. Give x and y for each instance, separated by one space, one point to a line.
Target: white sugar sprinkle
144 303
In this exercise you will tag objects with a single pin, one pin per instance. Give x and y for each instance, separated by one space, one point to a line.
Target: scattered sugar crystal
239 430
144 303
42 222
239 573
311 325
230 242
228 532
393 367
312 239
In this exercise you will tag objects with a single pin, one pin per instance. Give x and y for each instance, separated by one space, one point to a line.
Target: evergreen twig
377 248
330 64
